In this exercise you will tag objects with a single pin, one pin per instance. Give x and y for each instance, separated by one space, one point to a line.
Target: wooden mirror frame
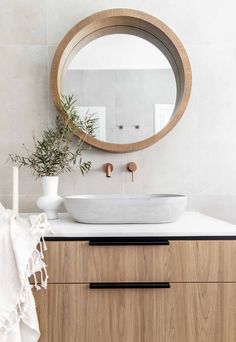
142 25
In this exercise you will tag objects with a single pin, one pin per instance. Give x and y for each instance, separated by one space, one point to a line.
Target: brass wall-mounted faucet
132 167
108 168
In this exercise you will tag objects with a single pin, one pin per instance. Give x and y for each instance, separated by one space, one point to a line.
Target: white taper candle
15 190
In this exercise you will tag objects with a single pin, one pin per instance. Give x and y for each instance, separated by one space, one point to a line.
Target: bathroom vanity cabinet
139 289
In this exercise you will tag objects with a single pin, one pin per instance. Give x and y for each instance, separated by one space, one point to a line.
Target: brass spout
108 168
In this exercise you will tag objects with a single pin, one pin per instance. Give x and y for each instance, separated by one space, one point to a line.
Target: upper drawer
180 261
77 261
203 261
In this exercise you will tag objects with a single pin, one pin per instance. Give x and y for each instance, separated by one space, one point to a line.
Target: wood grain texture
184 313
77 262
203 261
181 261
132 22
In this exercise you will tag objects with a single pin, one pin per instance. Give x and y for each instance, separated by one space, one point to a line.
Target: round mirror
129 72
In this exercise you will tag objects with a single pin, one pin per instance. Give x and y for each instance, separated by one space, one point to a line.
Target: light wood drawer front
186 312
203 261
78 262
181 261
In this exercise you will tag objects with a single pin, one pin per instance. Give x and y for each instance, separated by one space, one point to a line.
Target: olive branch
58 150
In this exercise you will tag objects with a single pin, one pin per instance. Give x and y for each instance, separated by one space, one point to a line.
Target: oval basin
126 208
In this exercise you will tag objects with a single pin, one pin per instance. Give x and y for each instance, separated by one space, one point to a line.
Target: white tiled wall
197 158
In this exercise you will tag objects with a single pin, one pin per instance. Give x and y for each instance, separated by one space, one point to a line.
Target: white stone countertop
191 224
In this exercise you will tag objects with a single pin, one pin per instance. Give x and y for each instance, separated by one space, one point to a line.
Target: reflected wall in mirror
127 69
126 83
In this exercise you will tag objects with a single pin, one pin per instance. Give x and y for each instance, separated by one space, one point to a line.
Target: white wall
197 157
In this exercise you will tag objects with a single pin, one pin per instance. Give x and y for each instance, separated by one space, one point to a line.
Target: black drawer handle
126 241
127 285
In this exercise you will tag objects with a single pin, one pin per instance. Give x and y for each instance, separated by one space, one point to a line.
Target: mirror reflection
126 83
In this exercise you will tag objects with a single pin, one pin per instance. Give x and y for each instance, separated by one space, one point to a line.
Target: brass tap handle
108 168
132 167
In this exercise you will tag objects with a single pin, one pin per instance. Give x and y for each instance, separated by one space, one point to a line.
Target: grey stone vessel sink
125 208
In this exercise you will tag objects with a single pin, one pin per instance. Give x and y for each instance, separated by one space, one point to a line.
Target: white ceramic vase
50 202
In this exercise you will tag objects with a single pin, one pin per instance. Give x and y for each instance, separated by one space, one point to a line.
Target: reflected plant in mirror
87 121
58 151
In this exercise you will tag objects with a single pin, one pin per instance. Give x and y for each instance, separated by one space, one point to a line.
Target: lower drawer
182 313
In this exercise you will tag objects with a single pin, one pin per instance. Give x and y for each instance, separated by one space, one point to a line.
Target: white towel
19 259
